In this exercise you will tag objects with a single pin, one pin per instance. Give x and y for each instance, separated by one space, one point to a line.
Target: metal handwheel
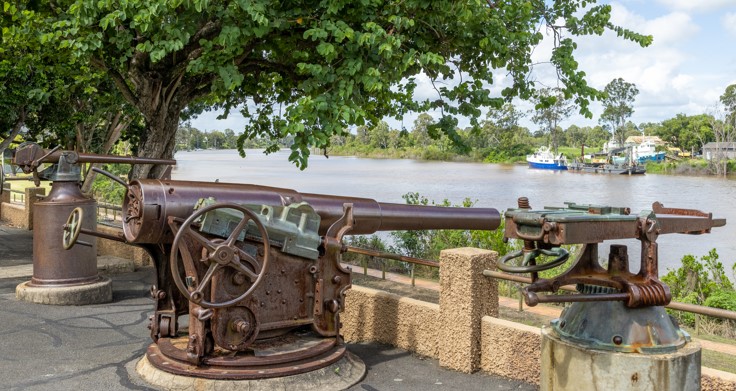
529 256
72 228
219 253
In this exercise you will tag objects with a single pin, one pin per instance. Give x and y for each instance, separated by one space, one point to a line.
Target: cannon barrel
149 202
32 155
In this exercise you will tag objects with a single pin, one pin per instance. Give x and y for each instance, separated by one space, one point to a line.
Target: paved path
52 348
544 310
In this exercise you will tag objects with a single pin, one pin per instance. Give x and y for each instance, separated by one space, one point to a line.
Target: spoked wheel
72 228
217 254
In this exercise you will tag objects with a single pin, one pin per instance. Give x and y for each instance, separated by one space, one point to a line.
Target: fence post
413 280
365 266
383 269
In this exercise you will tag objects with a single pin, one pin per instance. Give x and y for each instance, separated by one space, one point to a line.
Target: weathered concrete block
511 350
373 315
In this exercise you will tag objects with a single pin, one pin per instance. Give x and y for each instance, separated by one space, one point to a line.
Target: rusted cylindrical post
52 265
64 277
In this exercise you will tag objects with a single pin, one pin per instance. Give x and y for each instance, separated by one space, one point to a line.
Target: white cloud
697 6
729 23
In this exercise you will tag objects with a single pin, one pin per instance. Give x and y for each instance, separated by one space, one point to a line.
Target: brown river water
489 185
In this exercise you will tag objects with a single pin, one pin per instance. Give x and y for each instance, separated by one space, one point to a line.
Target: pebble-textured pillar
466 296
33 195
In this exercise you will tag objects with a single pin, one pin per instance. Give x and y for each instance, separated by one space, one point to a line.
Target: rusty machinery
53 267
614 309
256 270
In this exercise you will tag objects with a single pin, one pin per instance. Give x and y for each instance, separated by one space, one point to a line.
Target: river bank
685 167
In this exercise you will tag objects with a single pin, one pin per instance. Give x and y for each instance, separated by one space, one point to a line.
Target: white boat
545 159
647 152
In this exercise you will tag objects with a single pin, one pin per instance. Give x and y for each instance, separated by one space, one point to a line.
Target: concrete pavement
90 347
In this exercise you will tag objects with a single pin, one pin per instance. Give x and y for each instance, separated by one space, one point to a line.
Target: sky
688 66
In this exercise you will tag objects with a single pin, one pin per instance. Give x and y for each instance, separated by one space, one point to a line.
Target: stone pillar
568 366
33 195
5 197
465 297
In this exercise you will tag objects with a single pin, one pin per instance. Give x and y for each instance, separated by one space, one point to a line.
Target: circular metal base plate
290 354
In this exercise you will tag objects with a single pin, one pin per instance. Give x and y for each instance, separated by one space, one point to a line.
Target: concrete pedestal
568 366
90 293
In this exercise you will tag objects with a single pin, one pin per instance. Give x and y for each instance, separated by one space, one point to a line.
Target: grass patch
717 360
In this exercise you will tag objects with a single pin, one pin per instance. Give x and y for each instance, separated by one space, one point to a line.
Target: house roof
724 145
640 139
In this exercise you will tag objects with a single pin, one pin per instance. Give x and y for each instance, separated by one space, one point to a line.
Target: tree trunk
158 141
16 130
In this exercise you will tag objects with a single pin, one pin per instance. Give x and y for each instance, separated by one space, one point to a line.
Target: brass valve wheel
218 254
72 228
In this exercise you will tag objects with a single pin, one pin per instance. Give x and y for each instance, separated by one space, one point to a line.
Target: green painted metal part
609 325
294 227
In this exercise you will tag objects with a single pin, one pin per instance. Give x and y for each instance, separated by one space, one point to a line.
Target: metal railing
674 305
17 196
109 214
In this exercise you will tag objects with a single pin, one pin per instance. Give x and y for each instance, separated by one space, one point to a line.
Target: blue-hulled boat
546 160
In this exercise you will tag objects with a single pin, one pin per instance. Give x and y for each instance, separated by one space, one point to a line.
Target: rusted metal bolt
241 326
171 190
336 279
617 339
161 295
313 269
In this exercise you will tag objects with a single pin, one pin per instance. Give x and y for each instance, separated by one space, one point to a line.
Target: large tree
618 106
310 69
551 108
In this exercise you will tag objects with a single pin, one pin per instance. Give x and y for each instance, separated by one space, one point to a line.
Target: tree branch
118 80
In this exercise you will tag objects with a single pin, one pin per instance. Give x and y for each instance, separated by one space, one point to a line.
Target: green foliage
429 243
552 107
425 244
105 189
310 70
722 299
701 281
686 132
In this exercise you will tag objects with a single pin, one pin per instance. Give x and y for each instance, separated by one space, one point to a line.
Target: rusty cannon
64 277
255 272
615 308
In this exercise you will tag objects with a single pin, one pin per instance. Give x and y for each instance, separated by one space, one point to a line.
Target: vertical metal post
383 269
521 300
365 266
413 280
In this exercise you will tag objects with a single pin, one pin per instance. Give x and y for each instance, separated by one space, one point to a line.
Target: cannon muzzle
149 202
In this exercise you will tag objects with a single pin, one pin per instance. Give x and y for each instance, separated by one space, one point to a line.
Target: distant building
713 150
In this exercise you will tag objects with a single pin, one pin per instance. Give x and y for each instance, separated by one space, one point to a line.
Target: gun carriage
255 271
